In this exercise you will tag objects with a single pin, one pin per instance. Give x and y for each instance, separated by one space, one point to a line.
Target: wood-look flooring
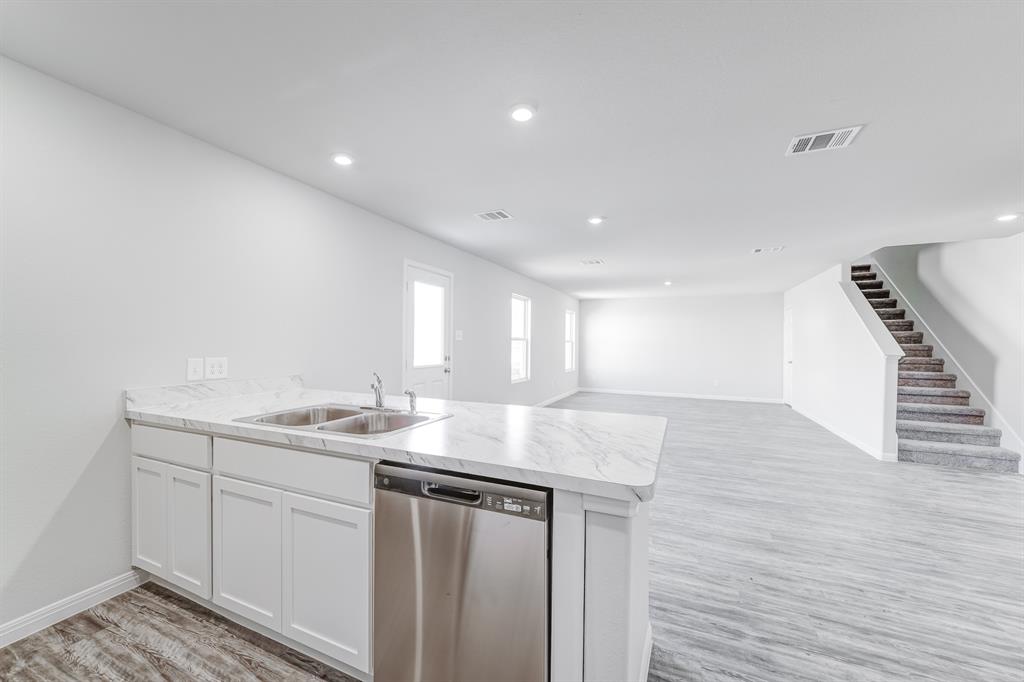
152 633
778 553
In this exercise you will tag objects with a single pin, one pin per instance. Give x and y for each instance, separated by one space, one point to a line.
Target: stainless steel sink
347 420
377 423
305 416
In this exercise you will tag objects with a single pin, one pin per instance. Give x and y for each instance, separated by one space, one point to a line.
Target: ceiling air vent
819 142
490 216
767 249
592 261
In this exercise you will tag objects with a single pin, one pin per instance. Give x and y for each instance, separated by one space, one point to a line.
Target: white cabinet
171 523
326 577
149 515
247 550
188 529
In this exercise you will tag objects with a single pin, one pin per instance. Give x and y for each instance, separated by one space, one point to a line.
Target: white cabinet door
247 550
327 578
188 529
149 515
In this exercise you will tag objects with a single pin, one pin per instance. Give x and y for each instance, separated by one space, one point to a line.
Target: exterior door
428 315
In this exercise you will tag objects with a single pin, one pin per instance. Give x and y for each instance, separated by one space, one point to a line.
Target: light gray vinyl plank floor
778 553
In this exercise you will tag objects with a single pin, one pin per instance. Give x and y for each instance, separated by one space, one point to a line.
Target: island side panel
617 641
568 537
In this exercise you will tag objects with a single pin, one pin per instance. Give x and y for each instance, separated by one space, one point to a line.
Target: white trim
697 396
19 628
406 263
1016 442
877 454
555 399
645 657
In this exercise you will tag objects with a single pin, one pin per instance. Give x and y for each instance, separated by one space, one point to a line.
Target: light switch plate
194 369
458 335
216 368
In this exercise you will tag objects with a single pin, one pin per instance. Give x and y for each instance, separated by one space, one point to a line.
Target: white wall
709 346
845 362
128 246
970 298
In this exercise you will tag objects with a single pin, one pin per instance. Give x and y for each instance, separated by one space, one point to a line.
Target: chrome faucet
412 400
378 390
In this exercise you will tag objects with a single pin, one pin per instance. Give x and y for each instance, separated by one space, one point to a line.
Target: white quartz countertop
596 453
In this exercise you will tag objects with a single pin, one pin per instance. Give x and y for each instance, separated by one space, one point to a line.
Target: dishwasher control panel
516 506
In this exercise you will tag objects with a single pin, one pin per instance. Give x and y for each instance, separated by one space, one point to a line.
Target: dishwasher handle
451 493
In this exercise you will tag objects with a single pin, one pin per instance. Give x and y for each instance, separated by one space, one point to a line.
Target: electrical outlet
458 335
194 369
216 368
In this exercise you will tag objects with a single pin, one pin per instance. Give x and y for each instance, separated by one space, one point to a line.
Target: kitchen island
601 470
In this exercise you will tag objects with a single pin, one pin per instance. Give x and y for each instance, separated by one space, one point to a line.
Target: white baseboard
697 396
860 445
561 396
30 623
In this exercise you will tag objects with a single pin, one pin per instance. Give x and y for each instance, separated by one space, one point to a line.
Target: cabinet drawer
322 475
177 447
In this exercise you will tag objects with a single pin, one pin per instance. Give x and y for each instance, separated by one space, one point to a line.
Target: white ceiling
670 118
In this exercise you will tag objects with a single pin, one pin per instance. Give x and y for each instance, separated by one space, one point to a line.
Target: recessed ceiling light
1008 217
668 283
595 219
522 113
342 159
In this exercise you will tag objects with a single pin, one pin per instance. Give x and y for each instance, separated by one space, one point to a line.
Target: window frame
527 333
571 340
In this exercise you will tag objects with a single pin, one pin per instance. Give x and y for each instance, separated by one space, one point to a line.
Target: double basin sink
347 420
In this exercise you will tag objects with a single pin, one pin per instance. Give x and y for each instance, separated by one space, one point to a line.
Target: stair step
933 379
912 364
967 434
950 414
891 313
882 302
860 267
908 337
959 455
917 350
899 325
869 284
876 293
862 276
932 396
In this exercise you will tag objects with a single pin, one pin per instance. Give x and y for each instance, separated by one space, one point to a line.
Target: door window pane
428 325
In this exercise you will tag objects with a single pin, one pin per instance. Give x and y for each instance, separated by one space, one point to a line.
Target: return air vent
490 216
592 261
819 142
767 249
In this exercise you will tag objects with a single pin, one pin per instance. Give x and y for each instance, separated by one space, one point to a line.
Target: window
427 325
520 338
570 341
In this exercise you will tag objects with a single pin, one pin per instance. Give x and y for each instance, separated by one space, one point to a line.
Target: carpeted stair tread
909 363
882 302
929 412
869 284
933 396
891 313
863 276
959 455
908 337
971 434
876 293
860 267
899 325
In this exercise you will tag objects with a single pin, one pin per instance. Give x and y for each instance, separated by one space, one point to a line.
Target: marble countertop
596 453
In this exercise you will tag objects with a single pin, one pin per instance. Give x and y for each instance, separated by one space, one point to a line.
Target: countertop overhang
594 453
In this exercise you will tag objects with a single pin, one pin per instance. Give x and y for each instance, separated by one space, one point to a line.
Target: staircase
935 422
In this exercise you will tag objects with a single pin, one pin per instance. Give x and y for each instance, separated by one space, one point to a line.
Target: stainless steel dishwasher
460 579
